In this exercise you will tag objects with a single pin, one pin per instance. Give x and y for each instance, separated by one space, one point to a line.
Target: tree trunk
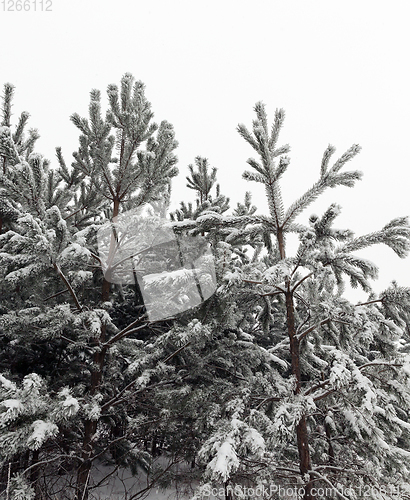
106 286
228 492
330 451
90 426
281 243
83 473
35 474
302 436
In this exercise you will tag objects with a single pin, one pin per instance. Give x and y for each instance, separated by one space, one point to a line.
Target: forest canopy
128 332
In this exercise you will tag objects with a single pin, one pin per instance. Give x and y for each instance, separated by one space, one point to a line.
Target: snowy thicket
121 339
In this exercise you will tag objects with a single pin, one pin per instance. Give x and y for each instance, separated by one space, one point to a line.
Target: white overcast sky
340 69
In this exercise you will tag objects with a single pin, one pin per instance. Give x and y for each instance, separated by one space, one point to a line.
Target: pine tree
134 177
202 181
335 401
13 147
51 265
276 378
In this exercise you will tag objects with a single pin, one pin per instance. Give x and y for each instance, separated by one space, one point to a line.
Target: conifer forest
194 348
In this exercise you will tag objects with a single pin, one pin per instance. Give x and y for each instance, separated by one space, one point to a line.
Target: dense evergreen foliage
275 380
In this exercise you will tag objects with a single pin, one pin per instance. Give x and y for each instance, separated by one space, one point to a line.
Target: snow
11 404
92 410
143 380
41 432
233 277
329 421
93 320
7 384
35 157
160 278
225 461
319 361
383 444
274 358
209 216
277 273
400 451
15 276
406 366
351 419
75 251
339 375
14 407
120 484
84 275
255 441
401 423
32 383
71 405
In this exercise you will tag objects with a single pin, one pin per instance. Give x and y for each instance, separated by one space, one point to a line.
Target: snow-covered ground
122 485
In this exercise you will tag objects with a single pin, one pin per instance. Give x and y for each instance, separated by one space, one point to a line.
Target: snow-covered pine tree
337 418
277 379
13 146
56 322
231 366
202 182
132 178
31 334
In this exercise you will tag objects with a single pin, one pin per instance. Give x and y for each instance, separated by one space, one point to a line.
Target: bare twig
69 287
370 302
301 281
176 352
300 336
55 295
76 212
126 331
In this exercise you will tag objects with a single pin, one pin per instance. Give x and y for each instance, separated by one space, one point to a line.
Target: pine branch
380 363
326 158
17 136
28 146
63 170
55 295
327 179
244 132
253 176
76 212
302 335
316 190
276 127
347 156
324 479
275 203
300 281
395 234
6 107
175 353
281 151
117 399
81 123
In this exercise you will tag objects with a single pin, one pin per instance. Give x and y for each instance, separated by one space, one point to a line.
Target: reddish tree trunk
330 451
90 426
302 435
